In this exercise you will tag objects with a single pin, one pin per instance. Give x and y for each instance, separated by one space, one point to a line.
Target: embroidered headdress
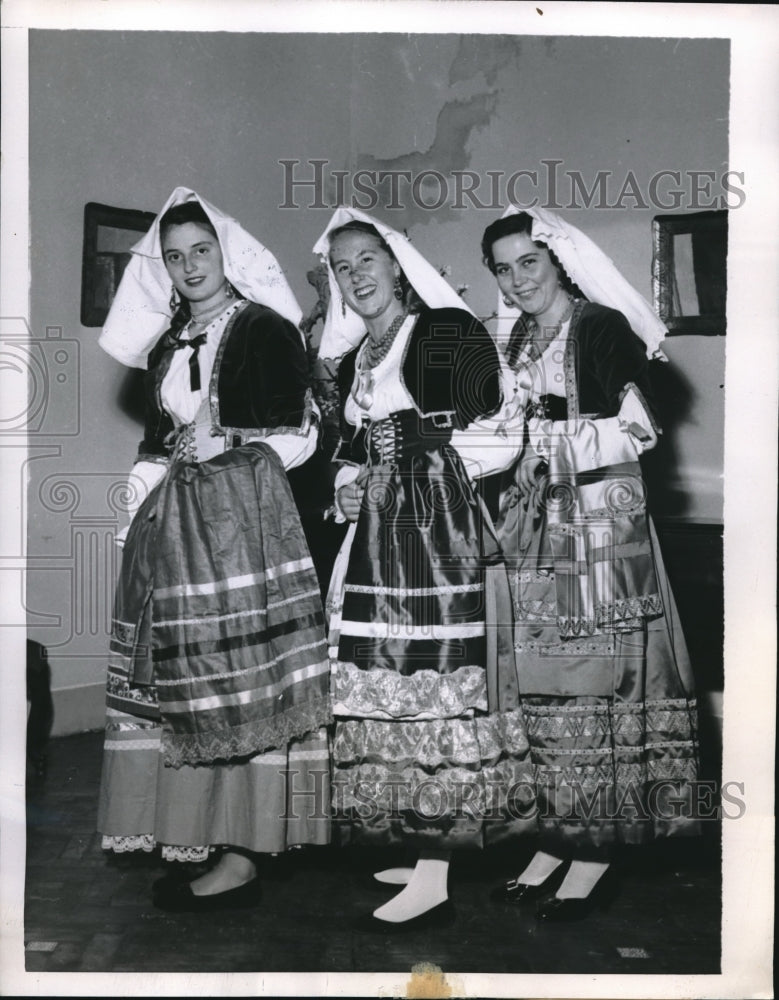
141 312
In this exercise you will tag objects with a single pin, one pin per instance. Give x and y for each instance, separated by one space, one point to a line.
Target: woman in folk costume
428 739
218 676
604 676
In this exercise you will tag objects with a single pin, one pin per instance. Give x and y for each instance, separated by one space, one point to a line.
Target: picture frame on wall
689 271
109 235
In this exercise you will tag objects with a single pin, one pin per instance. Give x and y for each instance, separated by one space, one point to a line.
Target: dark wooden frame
101 270
664 229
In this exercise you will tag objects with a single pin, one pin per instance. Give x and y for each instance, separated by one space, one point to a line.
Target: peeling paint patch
454 124
449 151
484 55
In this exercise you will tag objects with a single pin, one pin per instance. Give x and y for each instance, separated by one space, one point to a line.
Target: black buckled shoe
514 892
552 909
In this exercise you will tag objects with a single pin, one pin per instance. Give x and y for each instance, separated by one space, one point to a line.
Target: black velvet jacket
260 382
450 368
606 355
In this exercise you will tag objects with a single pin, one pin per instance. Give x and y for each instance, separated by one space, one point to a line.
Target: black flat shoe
170 881
514 892
179 898
552 909
439 916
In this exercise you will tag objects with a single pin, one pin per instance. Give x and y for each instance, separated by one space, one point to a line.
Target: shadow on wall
674 399
130 398
41 712
692 552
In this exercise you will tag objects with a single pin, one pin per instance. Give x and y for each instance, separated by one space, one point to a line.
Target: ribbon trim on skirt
238 652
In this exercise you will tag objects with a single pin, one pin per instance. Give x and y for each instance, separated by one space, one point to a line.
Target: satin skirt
265 802
420 754
610 717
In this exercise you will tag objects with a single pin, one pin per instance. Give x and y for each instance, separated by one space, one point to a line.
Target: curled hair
521 223
411 300
180 215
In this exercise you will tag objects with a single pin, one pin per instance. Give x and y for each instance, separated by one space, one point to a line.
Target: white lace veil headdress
595 274
342 332
141 312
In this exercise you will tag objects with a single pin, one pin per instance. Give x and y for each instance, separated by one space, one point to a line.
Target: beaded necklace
371 357
206 317
377 350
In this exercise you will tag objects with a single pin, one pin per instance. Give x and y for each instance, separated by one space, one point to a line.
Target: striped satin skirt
217 691
418 756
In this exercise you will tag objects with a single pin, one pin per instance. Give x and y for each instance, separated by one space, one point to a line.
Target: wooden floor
89 912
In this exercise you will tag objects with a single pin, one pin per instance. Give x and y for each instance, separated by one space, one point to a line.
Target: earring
343 307
398 288
507 301
229 290
174 300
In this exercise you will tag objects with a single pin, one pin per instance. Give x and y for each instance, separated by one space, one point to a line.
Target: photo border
750 463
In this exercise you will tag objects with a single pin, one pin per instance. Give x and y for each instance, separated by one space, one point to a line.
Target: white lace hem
120 845
186 853
146 842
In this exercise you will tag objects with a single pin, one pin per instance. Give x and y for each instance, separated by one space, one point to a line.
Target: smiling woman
529 278
367 275
217 586
428 739
607 689
193 258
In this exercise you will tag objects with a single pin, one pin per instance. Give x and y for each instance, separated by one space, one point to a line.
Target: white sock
540 868
394 876
581 879
426 890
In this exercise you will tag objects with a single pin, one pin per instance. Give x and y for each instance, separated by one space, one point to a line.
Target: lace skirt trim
147 843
